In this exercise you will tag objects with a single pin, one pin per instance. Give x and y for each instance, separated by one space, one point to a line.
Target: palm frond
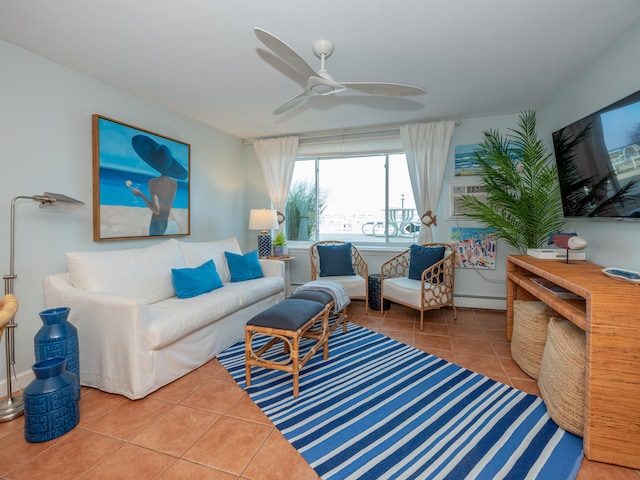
523 194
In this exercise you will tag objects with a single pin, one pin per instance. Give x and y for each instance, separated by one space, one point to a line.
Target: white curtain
277 157
427 149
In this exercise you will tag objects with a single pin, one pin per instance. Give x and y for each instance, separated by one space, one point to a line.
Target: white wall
45 145
612 76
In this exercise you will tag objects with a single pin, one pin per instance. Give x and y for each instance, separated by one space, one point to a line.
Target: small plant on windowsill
278 244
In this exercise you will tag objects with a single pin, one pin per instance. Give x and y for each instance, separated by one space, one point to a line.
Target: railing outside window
363 199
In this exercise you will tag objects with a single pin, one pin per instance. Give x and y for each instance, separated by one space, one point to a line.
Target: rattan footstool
287 321
335 318
561 381
530 321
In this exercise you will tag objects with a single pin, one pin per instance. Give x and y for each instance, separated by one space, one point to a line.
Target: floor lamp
13 406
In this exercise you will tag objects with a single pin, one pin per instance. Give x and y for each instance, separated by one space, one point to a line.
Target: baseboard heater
483 297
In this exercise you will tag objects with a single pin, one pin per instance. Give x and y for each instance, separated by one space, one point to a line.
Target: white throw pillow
197 253
138 272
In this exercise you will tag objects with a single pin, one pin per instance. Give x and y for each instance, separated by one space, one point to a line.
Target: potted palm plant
523 203
279 243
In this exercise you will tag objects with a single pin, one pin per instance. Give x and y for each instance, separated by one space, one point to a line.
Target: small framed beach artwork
466 163
140 183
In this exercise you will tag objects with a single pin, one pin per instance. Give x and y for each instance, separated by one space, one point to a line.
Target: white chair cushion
137 272
354 284
197 253
404 290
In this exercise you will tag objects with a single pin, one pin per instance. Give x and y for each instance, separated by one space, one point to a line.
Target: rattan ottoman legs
288 321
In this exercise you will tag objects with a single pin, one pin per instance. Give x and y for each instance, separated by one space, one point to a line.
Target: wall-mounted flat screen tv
598 159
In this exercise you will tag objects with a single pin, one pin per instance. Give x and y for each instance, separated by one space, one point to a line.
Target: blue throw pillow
421 258
244 267
335 260
191 282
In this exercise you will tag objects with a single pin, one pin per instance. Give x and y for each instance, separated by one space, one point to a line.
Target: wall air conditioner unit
478 191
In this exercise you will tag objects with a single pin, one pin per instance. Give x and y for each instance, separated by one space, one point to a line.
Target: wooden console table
609 313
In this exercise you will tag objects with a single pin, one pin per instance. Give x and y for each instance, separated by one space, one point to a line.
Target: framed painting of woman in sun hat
140 183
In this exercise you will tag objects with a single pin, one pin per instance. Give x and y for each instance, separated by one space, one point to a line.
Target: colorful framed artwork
465 160
140 183
474 248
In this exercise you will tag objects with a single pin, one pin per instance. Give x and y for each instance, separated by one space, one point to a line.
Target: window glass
352 199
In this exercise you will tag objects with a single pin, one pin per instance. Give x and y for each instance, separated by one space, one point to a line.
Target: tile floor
203 426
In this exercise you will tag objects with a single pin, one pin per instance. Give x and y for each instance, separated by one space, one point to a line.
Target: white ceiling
201 58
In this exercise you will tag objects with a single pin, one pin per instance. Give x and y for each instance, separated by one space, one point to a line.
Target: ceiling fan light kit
320 83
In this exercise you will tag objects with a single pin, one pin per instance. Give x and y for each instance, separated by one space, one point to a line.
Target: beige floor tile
487 365
132 463
95 403
471 346
74 455
177 430
245 409
278 460
216 395
184 470
229 445
129 418
179 389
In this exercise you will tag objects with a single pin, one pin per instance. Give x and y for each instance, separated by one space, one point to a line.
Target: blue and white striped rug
380 409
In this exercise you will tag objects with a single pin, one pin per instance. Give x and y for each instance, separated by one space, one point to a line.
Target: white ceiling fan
320 82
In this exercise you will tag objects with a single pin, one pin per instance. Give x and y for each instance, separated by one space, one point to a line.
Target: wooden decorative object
608 313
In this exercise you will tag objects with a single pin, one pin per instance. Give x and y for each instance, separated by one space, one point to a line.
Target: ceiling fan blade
390 89
285 52
292 103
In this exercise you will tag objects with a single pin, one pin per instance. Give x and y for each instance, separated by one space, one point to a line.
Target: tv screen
598 161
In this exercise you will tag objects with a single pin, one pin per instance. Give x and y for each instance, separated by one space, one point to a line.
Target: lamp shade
263 219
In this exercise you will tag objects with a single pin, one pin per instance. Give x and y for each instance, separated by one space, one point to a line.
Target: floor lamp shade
265 221
13 406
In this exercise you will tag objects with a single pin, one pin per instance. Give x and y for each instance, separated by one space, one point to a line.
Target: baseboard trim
24 379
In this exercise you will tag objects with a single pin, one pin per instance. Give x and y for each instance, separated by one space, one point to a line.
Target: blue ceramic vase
50 401
58 338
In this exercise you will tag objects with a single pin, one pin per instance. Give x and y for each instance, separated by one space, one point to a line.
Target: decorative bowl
622 274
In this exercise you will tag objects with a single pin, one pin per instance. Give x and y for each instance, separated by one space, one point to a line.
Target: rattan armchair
356 285
434 290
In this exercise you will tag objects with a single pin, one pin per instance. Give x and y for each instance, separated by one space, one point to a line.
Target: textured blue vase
58 338
50 401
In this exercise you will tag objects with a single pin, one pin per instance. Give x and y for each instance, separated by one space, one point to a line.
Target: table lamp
265 221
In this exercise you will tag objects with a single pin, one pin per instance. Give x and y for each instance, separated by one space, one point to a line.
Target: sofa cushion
335 260
191 282
421 258
137 272
196 253
244 267
174 318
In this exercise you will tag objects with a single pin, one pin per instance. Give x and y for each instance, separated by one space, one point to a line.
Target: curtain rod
383 129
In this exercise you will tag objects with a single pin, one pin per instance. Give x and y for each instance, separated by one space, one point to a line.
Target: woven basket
530 320
561 381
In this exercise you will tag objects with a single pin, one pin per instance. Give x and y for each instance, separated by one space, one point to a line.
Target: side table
375 299
286 259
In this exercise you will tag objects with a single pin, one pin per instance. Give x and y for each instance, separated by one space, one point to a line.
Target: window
361 199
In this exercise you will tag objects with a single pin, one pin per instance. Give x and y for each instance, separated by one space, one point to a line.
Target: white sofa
135 334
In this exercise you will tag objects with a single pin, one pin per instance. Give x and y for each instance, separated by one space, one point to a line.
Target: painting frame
141 183
475 247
